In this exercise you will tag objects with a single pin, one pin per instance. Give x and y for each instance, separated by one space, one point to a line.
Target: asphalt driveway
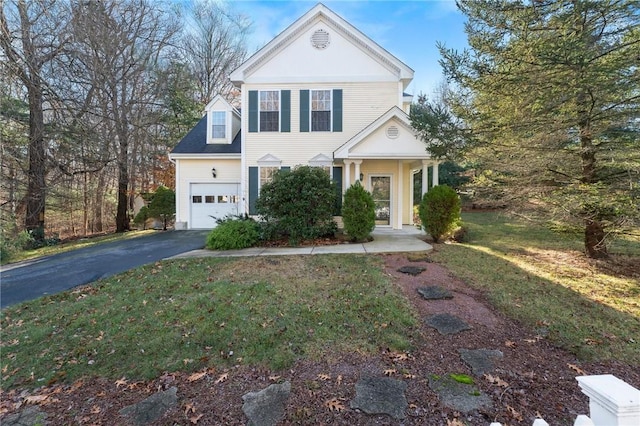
31 279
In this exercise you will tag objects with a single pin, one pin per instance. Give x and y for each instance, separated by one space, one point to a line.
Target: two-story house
321 94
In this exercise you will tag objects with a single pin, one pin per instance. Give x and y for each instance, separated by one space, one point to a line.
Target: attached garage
211 201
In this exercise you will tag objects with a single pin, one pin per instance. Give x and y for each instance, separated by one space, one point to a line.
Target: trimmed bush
440 211
299 203
358 212
142 217
163 205
233 234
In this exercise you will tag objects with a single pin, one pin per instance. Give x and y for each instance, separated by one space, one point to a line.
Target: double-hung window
321 110
218 127
270 111
266 174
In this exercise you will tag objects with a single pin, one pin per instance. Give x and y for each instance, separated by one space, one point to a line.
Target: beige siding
199 171
362 104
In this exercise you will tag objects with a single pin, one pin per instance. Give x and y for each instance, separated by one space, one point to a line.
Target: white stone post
347 174
425 177
435 174
356 176
612 402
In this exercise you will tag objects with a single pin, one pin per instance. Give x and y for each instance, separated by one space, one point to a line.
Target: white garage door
210 201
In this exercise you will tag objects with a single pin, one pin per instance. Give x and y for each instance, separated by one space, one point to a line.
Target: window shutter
304 110
253 110
337 180
285 110
337 110
253 189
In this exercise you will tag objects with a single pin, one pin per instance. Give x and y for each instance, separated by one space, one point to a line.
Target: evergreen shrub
358 213
233 233
440 211
299 203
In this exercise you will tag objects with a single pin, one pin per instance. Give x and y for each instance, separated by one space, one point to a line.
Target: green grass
542 279
21 255
190 314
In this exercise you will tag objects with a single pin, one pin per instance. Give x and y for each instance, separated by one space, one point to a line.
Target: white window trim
279 111
311 110
227 123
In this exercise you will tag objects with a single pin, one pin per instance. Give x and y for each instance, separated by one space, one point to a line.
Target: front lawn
190 314
542 278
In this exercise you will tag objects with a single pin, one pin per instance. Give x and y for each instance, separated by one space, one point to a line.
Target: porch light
213 172
361 176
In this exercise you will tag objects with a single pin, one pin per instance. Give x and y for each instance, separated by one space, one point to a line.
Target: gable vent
320 39
392 132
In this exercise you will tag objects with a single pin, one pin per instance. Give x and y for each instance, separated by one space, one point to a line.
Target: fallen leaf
510 344
324 377
454 422
496 380
121 382
195 419
589 341
409 376
514 414
187 361
530 340
339 380
189 408
390 371
577 369
398 356
197 376
95 409
335 404
222 378
36 399
274 378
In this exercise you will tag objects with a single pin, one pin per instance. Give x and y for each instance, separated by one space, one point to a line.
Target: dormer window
219 124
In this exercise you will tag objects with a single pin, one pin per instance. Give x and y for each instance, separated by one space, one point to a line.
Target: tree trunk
34 219
594 239
122 216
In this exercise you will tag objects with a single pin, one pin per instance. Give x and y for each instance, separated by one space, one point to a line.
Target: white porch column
435 174
399 196
356 175
425 177
347 174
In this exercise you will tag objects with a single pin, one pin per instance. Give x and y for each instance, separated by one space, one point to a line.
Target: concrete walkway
385 240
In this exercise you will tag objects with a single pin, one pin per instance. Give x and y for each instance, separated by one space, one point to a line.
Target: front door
381 192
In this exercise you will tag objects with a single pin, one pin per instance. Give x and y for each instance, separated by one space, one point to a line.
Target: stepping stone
481 361
266 407
151 408
435 293
447 324
412 270
28 417
381 395
459 396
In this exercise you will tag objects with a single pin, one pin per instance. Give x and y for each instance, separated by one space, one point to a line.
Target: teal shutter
304 110
285 110
253 110
337 110
253 189
337 180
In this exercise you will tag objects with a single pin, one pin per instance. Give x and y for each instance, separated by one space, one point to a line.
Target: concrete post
612 402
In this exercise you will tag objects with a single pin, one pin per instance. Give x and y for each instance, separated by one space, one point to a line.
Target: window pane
270 111
269 121
266 173
223 199
196 199
209 199
321 110
218 125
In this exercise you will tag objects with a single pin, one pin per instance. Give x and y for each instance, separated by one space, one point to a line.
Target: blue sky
407 29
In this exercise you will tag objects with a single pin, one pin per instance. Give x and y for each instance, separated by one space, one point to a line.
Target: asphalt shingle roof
195 142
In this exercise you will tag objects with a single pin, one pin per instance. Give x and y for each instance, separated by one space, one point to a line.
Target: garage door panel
211 201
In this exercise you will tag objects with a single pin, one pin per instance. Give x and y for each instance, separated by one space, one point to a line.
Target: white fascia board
204 156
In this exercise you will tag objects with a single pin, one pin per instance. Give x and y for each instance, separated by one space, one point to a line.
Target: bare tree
119 42
32 35
214 46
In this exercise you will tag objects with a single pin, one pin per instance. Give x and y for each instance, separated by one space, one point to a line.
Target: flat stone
481 361
435 292
412 270
30 416
266 407
152 408
447 323
381 395
459 396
